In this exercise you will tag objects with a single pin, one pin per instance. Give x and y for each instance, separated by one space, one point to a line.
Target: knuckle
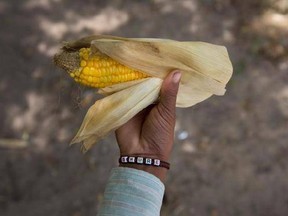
166 112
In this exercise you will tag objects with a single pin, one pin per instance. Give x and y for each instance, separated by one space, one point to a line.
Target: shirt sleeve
132 192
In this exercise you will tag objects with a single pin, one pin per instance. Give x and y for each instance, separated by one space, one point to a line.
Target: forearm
132 192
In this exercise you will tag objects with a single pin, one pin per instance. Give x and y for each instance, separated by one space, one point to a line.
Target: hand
151 132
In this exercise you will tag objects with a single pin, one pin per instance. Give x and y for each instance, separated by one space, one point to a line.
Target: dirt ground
231 152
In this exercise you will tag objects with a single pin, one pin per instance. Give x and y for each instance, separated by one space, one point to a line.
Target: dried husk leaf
118 87
206 68
116 109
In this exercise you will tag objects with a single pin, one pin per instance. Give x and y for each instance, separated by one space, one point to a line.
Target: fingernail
176 76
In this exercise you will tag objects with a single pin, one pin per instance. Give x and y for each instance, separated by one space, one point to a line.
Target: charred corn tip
98 70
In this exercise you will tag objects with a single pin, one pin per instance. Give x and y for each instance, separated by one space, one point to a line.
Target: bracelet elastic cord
143 161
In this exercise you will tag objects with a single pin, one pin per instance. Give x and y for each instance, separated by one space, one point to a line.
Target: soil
230 155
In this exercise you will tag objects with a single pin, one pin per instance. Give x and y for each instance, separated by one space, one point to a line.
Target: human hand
151 132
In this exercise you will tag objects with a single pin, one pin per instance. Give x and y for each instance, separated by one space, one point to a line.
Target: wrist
149 164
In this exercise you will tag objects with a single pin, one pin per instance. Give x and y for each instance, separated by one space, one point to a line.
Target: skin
151 132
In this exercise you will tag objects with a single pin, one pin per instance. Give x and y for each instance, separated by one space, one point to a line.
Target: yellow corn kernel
85 70
83 63
97 70
90 64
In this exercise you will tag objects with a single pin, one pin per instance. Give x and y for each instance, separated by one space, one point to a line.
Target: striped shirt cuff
132 192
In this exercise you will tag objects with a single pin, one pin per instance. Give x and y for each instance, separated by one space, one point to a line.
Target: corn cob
205 68
98 70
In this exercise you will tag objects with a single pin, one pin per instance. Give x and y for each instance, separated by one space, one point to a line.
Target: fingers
160 117
169 92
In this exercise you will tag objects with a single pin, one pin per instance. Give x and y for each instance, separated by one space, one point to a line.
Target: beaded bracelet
143 161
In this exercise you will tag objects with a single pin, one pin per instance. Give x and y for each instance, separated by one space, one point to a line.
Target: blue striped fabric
132 192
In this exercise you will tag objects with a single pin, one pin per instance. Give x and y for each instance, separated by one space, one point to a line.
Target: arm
138 189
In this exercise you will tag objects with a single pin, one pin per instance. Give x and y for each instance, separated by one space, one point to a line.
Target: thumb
168 94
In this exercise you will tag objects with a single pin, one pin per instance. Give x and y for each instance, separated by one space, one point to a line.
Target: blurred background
230 157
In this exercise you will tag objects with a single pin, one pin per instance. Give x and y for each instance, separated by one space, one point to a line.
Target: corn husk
206 69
